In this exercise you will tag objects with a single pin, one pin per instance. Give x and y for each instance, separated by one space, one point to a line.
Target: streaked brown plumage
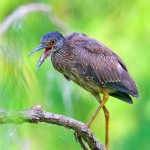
91 65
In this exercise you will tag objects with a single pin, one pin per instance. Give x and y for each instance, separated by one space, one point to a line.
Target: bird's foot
88 124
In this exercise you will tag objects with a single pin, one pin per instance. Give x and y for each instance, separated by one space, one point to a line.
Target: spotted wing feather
103 65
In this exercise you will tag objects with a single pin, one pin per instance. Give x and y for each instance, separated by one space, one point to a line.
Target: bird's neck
60 59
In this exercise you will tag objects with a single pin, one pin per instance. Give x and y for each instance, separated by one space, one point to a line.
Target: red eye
52 42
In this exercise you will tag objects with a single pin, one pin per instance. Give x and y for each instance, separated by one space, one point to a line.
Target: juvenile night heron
92 66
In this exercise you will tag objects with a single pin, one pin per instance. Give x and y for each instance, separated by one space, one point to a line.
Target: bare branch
32 7
36 114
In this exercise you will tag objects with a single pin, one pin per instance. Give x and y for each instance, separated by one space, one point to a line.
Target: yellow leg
105 98
106 113
93 117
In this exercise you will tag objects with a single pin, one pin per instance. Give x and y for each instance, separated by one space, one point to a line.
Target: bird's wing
100 64
98 58
103 62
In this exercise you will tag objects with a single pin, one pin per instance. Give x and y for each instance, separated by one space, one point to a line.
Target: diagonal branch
36 114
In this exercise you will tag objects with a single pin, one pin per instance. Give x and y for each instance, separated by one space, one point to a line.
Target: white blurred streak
20 12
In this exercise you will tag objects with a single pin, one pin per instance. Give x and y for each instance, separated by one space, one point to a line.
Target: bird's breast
62 61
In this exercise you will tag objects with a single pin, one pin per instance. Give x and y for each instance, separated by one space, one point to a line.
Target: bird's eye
52 42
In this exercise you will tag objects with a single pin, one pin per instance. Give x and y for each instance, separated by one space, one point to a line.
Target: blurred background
124 26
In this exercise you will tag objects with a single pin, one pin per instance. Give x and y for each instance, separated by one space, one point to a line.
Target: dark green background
124 26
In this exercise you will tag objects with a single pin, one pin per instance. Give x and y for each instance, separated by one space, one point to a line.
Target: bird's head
51 42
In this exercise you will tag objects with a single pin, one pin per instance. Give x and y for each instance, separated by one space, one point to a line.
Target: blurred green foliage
124 26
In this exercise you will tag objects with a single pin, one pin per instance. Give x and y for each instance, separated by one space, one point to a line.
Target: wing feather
102 64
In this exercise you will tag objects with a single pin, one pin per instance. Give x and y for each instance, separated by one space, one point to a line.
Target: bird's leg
105 98
97 96
93 117
106 113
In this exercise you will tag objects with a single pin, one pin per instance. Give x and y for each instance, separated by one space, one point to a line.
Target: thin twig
36 114
79 139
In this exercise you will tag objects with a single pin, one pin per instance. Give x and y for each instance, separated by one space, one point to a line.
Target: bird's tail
125 87
122 96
